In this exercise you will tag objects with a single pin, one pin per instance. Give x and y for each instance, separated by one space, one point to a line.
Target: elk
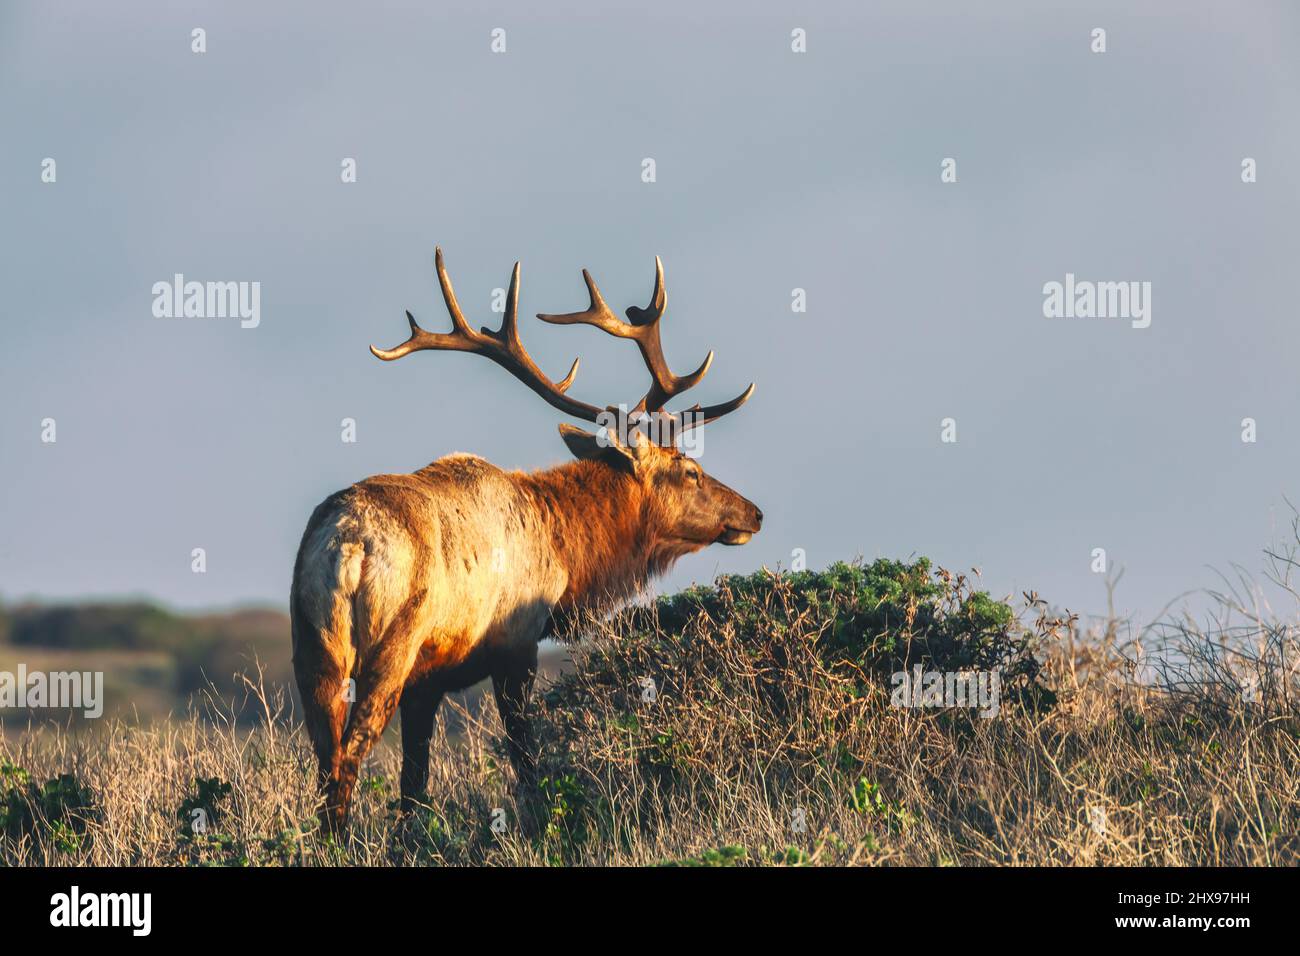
409 586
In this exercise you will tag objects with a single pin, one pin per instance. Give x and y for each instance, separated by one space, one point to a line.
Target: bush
763 681
53 813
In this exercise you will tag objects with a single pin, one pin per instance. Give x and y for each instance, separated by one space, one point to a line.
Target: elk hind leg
321 668
381 675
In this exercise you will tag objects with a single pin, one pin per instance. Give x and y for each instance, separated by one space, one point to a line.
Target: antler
644 330
502 346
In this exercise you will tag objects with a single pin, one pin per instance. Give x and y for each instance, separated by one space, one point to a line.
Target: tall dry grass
768 737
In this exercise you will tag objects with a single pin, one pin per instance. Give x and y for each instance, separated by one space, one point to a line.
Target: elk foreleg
419 707
512 682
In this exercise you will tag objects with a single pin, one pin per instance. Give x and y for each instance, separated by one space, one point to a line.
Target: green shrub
766 679
54 813
203 806
730 855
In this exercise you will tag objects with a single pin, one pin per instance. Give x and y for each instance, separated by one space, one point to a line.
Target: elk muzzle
744 526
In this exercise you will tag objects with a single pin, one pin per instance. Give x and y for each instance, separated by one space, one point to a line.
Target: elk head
689 507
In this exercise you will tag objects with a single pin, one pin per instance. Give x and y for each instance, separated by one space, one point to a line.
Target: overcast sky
775 170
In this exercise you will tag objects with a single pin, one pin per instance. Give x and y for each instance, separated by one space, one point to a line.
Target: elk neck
605 529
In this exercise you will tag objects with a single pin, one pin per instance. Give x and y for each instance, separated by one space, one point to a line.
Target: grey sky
775 171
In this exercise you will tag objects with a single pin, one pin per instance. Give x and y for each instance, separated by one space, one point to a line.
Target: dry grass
771 708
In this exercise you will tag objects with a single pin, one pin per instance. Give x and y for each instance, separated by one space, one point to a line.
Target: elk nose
758 514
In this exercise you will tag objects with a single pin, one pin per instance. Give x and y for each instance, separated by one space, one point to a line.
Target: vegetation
748 723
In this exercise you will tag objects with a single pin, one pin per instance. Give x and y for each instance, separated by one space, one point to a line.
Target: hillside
154 660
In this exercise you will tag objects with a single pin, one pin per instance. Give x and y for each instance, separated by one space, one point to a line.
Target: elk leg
419 706
380 678
326 712
513 685
377 696
322 683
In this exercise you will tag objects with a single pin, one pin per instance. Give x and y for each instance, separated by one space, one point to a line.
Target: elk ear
604 447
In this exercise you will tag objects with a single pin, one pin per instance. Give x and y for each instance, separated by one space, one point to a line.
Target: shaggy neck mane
605 529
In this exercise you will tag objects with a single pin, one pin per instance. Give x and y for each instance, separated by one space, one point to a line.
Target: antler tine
658 300
695 416
421 339
501 346
509 324
462 338
508 334
644 330
449 295
597 314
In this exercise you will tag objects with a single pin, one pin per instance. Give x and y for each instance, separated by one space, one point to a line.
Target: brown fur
415 585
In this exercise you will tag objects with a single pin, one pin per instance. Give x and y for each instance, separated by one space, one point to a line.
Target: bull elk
418 584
